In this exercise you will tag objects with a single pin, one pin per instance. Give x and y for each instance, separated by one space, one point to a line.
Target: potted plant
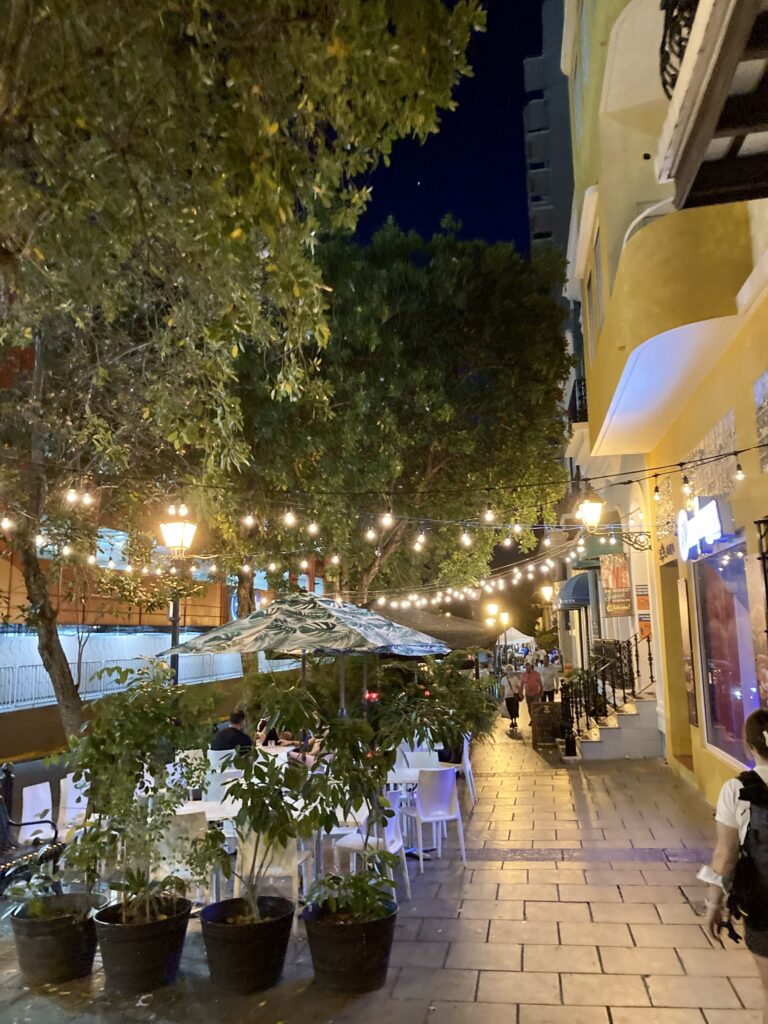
135 791
54 931
246 937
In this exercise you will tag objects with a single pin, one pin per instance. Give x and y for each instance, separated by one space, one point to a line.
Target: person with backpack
738 874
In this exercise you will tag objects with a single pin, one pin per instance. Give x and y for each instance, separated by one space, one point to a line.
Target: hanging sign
614 575
702 525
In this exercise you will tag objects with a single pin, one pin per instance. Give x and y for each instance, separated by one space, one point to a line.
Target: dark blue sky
474 167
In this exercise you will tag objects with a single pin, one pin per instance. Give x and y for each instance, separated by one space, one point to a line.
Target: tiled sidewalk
579 905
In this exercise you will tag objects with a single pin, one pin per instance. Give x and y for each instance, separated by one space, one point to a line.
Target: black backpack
748 897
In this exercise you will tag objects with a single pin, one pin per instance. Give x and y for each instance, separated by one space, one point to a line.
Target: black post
6 808
175 618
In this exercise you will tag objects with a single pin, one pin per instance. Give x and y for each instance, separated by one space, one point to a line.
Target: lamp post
178 532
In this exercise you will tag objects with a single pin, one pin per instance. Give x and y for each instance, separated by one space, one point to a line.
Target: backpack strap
753 790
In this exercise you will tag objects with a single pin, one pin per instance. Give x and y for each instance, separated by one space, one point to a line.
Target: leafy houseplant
246 938
135 789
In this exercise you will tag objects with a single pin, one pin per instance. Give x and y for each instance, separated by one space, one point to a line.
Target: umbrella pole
342 688
365 683
304 670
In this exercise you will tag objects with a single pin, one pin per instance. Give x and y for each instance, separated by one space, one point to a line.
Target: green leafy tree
444 382
165 170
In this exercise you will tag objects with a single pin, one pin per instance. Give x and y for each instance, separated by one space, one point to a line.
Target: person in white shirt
733 819
548 675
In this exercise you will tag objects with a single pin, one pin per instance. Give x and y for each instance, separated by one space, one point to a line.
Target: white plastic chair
284 862
216 758
421 759
466 767
436 801
36 803
73 801
181 831
392 842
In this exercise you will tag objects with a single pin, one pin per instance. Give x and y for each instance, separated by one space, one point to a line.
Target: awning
574 593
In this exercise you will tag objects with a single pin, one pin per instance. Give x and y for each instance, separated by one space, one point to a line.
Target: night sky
474 167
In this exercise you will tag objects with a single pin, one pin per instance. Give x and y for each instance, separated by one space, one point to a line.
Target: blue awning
574 593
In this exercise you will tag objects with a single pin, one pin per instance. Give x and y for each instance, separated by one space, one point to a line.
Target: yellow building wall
729 385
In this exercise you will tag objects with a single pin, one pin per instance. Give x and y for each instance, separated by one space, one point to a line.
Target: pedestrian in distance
548 674
512 688
737 877
531 682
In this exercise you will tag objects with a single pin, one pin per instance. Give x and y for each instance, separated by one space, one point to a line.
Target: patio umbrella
307 623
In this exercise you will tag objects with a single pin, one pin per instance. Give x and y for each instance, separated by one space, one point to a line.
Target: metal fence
29 686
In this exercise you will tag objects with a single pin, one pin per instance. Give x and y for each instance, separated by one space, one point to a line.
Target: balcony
714 69
670 315
577 409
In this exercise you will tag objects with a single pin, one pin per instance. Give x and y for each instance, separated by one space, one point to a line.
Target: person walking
737 876
512 694
548 674
531 683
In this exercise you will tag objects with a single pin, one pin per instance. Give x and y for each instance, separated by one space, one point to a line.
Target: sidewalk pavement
579 905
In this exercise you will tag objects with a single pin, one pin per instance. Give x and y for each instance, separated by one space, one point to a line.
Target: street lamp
590 509
547 592
178 532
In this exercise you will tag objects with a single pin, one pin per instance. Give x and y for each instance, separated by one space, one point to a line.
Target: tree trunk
244 608
371 571
48 641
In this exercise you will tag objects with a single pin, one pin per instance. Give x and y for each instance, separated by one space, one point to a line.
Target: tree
165 169
444 377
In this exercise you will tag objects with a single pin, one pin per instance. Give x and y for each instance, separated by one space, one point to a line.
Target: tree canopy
166 168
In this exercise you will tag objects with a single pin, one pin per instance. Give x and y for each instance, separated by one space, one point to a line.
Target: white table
410 776
214 810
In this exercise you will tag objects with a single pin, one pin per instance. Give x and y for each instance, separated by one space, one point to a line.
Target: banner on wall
614 575
685 629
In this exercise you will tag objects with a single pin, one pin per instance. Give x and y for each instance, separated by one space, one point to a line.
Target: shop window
730 684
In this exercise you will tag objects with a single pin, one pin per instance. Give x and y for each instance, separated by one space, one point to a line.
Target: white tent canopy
511 636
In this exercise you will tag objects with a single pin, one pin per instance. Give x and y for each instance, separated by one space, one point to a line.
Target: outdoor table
214 810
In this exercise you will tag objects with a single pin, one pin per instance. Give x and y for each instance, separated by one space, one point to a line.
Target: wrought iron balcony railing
678 21
577 405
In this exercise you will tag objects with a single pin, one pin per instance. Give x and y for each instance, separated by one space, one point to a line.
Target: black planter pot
55 949
350 957
247 957
142 957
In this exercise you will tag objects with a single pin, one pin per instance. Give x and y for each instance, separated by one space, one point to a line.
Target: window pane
730 685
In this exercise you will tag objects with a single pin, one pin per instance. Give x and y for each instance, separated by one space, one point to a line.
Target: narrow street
579 904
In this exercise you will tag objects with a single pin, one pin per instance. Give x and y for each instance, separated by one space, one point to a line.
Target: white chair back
217 785
466 765
282 861
423 760
36 803
393 836
436 794
73 801
182 829
216 758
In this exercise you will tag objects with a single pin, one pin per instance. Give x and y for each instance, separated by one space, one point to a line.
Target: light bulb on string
517 528
193 569
381 601
422 535
335 559
370 534
39 540
111 563
313 529
507 541
272 567
466 538
213 568
145 570
612 539
547 539
248 521
129 568
687 489
739 474
245 568
303 564
656 490
489 515
66 551
87 499
72 496
602 540
91 559
418 547
171 510
387 519
289 518
172 570
183 510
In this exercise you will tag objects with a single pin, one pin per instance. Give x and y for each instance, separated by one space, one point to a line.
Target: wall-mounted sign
614 575
702 525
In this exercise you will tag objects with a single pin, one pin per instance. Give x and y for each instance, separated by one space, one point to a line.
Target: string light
289 518
335 559
171 510
72 496
172 570
418 547
272 567
370 534
422 537
129 567
66 551
547 539
656 490
517 528
183 510
687 489
145 570
386 519
39 540
466 539
91 559
313 529
6 524
248 520
87 499
111 563
245 568
213 568
489 514
381 601
303 564
507 541
740 474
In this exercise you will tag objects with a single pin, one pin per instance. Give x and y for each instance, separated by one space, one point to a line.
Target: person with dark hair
738 874
233 737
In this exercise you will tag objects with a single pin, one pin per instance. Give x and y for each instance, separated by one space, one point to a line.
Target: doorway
678 705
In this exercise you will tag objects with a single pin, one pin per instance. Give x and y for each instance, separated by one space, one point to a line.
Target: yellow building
668 257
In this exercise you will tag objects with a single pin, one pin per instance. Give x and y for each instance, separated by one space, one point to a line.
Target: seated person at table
233 737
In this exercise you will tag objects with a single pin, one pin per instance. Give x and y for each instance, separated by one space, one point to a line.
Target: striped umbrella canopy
307 623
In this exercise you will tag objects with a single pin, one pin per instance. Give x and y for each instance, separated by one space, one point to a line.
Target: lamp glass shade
547 592
590 511
178 534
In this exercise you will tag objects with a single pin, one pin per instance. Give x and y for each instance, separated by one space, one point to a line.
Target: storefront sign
702 525
614 575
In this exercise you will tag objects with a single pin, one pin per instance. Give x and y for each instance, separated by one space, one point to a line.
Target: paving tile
651 894
425 983
509 910
571 959
534 932
734 1016
552 876
657 1015
750 992
539 893
557 911
439 929
627 913
485 956
560 1015
418 954
678 913
468 890
728 963
713 992
618 876
429 908
682 936
594 934
640 961
461 1013
514 987
590 893
609 990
